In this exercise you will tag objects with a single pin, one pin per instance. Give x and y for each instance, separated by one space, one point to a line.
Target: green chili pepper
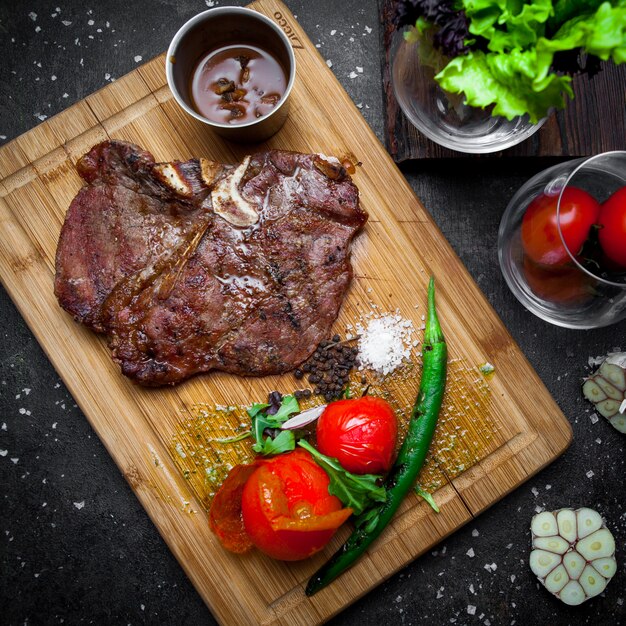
410 458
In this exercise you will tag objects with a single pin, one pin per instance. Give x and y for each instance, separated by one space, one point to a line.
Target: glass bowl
443 117
568 293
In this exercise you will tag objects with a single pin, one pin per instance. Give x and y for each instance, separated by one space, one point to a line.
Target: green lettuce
513 82
514 74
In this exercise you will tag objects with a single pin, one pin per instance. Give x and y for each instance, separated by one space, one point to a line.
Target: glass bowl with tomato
562 242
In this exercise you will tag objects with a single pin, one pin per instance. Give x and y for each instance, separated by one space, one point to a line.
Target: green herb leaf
428 497
259 424
368 519
359 492
347 394
256 408
288 406
285 441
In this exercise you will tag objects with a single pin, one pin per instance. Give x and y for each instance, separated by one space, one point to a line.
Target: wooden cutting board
493 434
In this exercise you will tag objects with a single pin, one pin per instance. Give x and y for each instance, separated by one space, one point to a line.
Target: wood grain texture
593 122
492 435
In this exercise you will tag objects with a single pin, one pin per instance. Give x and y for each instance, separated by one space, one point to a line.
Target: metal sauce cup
215 29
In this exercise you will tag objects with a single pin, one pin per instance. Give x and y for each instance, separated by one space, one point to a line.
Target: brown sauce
237 84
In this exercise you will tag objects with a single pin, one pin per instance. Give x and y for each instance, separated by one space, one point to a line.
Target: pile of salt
385 343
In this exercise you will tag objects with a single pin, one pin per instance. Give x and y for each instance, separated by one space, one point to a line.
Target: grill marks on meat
193 292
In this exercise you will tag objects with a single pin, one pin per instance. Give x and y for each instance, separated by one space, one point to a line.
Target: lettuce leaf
513 82
508 24
514 74
602 34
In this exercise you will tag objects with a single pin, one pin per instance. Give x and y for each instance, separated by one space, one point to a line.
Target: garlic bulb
573 553
606 388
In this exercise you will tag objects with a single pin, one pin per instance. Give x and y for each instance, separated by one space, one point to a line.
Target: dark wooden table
76 547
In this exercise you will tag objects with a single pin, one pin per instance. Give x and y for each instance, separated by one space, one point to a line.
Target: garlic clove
544 524
574 564
566 519
597 545
542 562
592 582
607 566
592 392
614 374
557 544
619 422
556 579
588 521
573 594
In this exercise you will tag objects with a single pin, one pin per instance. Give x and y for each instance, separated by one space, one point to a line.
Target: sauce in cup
237 84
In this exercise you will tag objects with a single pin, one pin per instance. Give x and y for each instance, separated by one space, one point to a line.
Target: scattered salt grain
3 452
138 58
352 75
384 343
593 418
329 63
535 491
471 609
14 461
33 16
470 553
590 474
475 533
79 505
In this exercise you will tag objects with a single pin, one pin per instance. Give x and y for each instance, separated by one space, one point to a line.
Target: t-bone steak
195 266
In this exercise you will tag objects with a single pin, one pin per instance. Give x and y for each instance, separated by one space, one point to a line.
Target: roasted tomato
612 234
540 235
360 434
286 508
280 505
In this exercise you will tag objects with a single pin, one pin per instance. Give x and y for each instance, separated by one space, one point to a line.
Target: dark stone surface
104 562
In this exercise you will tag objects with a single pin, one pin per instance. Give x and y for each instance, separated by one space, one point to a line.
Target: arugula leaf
368 519
359 492
261 422
283 442
288 406
428 497
256 408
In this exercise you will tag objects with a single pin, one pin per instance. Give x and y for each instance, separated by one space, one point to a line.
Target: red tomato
540 236
286 508
612 232
360 434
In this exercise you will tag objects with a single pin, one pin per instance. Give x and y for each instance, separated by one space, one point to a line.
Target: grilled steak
194 266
